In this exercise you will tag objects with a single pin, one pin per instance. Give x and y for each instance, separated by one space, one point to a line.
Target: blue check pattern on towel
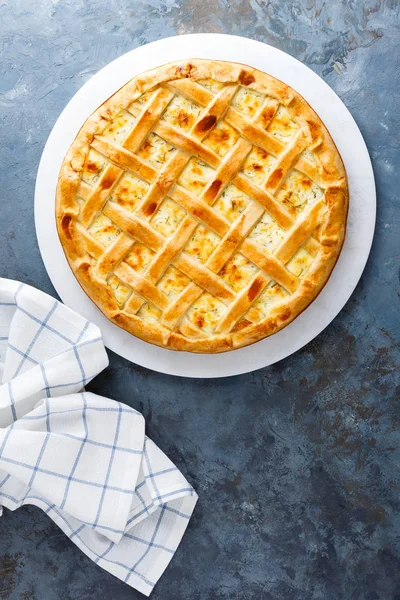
82 458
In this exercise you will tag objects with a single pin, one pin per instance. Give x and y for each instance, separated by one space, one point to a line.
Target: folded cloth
82 458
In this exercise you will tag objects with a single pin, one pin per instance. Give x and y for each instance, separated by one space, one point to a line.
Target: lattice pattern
200 204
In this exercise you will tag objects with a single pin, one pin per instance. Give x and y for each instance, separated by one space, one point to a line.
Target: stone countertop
296 465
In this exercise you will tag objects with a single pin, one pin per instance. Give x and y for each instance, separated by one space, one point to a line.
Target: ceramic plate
361 218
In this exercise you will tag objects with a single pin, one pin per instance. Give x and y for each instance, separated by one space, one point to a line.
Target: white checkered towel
82 458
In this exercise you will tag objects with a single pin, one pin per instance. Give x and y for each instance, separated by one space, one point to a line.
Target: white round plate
361 218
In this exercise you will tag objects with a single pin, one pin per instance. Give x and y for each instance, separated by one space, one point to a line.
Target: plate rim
184 364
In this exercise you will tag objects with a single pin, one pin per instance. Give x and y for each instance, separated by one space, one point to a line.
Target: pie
203 206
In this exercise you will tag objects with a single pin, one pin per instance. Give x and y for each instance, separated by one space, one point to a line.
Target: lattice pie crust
203 206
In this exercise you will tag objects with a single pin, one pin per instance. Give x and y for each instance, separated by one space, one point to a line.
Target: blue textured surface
297 465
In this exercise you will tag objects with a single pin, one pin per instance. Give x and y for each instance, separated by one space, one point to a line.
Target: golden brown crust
315 228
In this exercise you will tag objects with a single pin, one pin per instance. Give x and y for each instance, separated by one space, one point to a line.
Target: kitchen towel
82 458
